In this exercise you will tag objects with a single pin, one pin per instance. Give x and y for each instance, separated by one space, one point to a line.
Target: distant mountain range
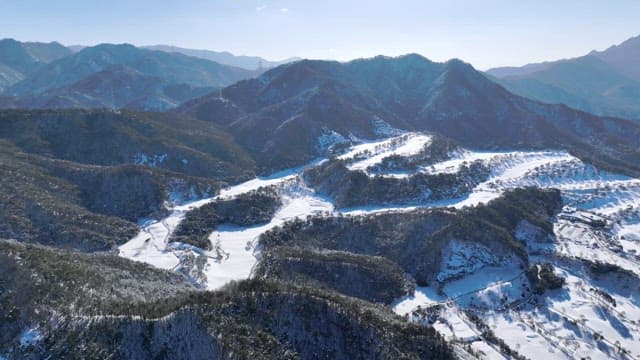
293 113
18 59
225 57
37 75
601 82
162 77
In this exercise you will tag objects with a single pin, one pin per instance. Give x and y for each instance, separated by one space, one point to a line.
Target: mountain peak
9 41
111 48
624 57
25 57
457 70
459 65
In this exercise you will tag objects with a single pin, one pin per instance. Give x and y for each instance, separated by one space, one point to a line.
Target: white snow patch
149 160
30 337
240 244
422 297
522 336
460 258
629 237
405 145
329 139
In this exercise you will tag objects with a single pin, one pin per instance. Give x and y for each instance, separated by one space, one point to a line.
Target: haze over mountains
225 57
601 82
37 75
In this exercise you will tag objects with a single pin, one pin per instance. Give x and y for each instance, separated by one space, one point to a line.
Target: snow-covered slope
594 315
235 250
371 153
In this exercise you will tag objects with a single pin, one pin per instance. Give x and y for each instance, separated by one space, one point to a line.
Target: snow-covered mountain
280 115
486 303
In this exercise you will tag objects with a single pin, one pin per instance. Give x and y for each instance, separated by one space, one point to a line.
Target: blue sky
485 33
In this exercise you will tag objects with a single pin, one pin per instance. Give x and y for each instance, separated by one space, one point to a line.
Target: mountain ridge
115 76
19 59
312 98
602 82
225 57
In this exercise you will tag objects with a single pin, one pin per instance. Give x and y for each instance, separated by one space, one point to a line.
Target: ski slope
235 249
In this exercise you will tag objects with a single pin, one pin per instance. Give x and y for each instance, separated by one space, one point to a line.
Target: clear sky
485 33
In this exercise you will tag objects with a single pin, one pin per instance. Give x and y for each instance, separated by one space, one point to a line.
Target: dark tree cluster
248 209
355 188
542 278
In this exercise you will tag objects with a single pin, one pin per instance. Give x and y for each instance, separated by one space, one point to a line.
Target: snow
383 128
150 244
405 145
523 337
235 248
582 241
561 326
455 327
580 183
240 244
149 160
423 296
582 306
629 237
30 337
328 139
488 287
465 157
463 258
